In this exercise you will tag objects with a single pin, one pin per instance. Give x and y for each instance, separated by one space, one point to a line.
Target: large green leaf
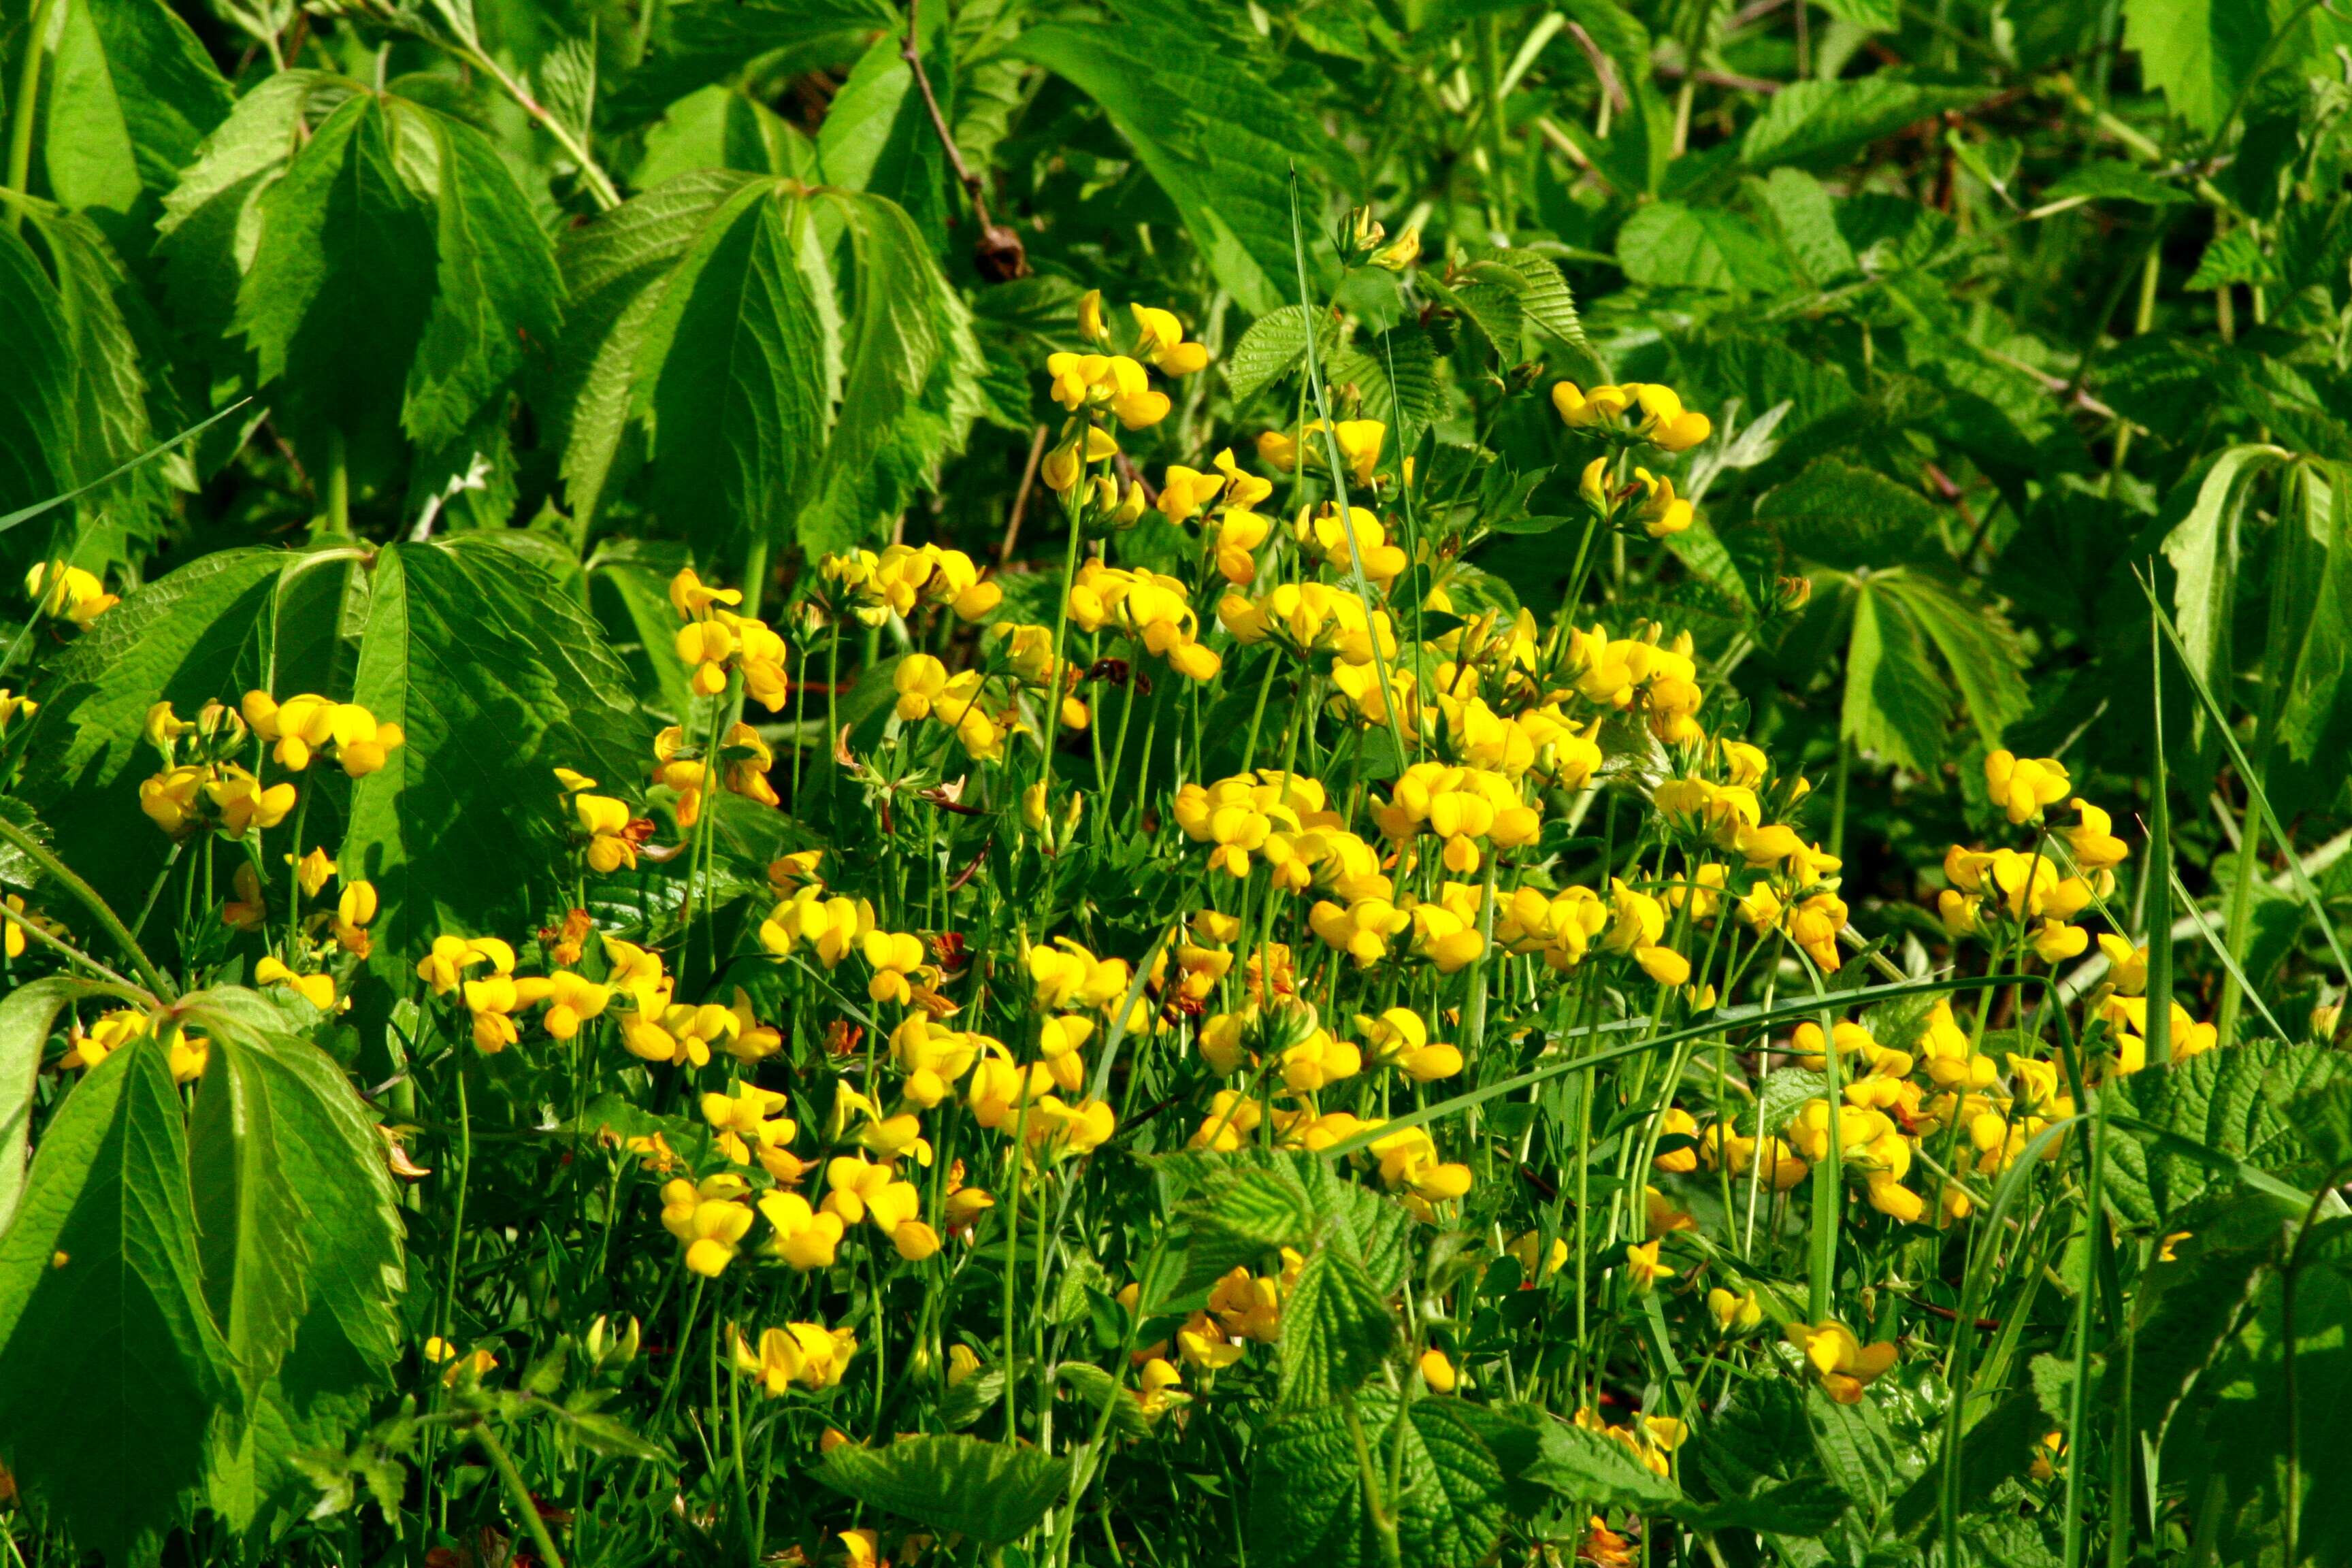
1671 245
399 282
986 1491
1808 120
36 394
2313 715
730 374
877 135
1976 646
253 1228
2200 54
1896 706
1596 1470
498 677
1306 1498
2203 549
1336 1330
2226 1104
110 1365
1185 82
133 94
705 41
27 1016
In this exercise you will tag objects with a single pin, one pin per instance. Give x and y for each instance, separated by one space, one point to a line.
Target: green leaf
2203 550
1870 16
498 677
1188 84
909 388
1805 1508
730 374
27 1015
1397 372
616 268
1895 705
1336 1330
252 1226
2199 53
1850 518
1543 293
1595 1469
1306 1498
877 135
1274 346
2313 713
986 1491
1667 245
496 290
1857 1449
1810 119
1996 1450
37 397
110 1365
2113 180
133 94
1979 649
1097 1388
2228 1104
1803 212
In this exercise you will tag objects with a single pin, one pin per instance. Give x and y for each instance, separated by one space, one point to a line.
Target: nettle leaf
1307 1496
133 93
1810 119
2223 1105
705 41
1188 84
498 677
1542 292
1336 1330
1275 345
987 1491
2200 54
1895 705
110 1365
2203 550
1599 1471
1396 373
1667 245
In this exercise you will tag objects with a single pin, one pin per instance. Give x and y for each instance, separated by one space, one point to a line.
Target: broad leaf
27 1015
2203 550
498 677
1670 246
1306 1498
37 395
1810 119
133 94
110 1365
986 1491
877 135
1336 1330
2227 1104
1596 1470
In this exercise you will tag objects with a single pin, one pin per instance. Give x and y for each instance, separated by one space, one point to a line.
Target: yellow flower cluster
715 641
807 1354
906 575
65 592
1640 409
309 725
112 1032
1148 609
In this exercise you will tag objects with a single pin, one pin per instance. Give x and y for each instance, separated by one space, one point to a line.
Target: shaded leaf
986 1491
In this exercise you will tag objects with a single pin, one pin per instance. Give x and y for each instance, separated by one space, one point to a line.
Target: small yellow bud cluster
904 576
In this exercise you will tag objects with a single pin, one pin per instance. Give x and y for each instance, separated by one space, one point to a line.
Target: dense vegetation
1160 782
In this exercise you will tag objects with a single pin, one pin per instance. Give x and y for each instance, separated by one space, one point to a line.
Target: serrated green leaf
2199 53
1803 212
2228 1105
1398 372
36 398
110 1365
1186 84
497 678
877 135
1808 120
1978 648
1272 348
496 297
1857 1449
1668 245
986 1491
252 1227
1306 1500
1895 705
1596 1470
133 94
1997 1449
1543 293
1336 1330
1849 518
704 41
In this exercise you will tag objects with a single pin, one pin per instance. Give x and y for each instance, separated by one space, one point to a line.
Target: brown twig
1601 68
1719 79
1021 496
998 254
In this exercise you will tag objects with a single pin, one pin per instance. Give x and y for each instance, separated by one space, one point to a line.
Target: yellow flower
1733 1314
2023 785
313 872
1847 1366
1642 1266
318 990
808 1355
1163 342
1437 1372
67 593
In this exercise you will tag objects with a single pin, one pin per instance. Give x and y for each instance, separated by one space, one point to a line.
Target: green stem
26 109
1384 1524
518 1494
88 897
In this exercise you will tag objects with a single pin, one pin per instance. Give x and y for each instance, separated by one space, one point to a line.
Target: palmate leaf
987 1491
777 387
27 1016
111 1367
705 41
877 135
1187 85
498 677
1306 1497
1895 705
133 94
413 212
